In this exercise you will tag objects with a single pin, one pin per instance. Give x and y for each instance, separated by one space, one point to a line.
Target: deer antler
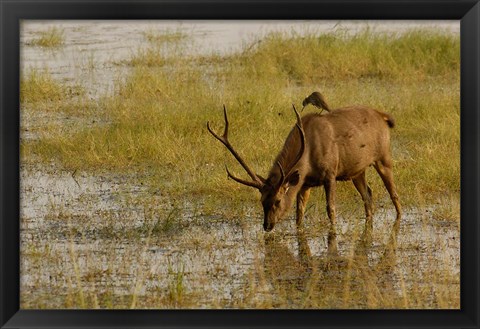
257 182
299 125
242 181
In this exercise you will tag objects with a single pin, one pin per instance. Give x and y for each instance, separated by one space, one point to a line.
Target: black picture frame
12 11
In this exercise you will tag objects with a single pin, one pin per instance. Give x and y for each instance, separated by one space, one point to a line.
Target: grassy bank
156 118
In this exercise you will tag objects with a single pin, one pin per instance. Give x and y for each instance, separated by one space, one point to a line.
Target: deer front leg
330 191
302 198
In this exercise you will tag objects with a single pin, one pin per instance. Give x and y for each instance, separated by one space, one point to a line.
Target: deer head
276 198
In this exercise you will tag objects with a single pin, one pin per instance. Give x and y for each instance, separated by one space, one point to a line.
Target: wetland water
87 241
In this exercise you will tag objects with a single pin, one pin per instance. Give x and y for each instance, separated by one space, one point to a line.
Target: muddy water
87 240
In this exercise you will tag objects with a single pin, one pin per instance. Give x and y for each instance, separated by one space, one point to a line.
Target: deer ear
293 179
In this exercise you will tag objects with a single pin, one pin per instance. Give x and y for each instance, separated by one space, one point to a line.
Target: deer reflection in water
352 278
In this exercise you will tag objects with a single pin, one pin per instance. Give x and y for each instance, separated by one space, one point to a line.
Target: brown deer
319 150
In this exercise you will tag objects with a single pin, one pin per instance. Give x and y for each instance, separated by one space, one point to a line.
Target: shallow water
87 229
93 49
89 241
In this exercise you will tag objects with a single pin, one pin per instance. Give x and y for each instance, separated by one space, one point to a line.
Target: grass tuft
51 38
38 86
166 36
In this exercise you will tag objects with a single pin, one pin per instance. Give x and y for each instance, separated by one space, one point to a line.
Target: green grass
51 38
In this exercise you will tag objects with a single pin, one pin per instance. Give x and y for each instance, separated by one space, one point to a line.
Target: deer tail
388 119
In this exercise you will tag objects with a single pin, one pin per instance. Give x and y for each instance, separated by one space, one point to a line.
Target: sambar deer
319 150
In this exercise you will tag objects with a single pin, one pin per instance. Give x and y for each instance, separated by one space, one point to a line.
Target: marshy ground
125 202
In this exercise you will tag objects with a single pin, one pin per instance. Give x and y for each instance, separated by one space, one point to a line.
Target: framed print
239 164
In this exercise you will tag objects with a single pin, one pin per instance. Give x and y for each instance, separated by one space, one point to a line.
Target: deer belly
346 177
353 168
313 181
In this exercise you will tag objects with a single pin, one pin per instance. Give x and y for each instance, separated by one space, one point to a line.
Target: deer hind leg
384 169
330 191
365 191
302 198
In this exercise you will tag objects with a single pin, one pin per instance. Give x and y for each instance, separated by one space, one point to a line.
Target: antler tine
242 181
257 182
225 131
224 137
299 121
